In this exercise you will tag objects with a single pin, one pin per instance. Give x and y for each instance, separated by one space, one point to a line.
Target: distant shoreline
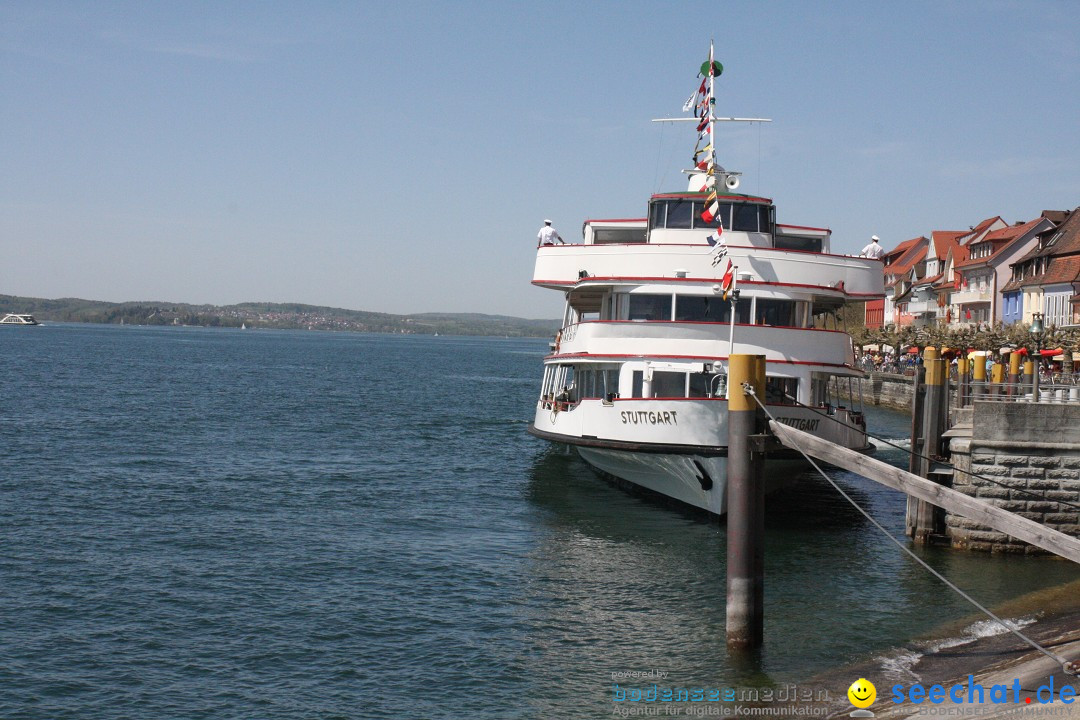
277 316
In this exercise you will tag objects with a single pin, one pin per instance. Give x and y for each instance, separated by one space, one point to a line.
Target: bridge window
680 214
684 213
723 215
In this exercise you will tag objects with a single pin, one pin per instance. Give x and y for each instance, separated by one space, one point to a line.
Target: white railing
1050 391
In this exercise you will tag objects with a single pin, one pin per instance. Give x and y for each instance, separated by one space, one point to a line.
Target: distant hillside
274 315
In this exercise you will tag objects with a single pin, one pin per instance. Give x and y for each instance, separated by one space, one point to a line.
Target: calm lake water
202 523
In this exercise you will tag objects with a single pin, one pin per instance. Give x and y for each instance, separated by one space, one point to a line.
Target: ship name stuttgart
650 417
807 424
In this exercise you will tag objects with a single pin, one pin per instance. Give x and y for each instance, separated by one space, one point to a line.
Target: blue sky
401 157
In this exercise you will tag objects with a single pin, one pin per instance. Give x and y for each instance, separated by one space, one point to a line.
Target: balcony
923 307
969 297
563 266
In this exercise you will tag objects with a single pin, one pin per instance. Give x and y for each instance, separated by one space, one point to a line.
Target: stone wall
1028 457
886 389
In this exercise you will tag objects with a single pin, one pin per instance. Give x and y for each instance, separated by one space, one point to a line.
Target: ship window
746 218
680 214
723 215
668 384
781 391
637 383
793 242
658 215
702 384
700 308
649 307
611 382
775 312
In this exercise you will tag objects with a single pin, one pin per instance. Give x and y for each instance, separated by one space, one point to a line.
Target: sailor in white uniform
548 235
874 250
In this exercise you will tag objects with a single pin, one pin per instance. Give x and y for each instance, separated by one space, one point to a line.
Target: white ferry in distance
637 377
18 319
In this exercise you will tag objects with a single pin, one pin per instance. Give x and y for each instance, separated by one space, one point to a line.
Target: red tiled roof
942 240
979 229
900 249
1013 284
1059 270
1001 239
907 261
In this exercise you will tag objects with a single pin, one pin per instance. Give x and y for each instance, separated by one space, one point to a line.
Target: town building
1047 278
901 267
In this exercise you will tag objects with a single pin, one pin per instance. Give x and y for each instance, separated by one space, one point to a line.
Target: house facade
972 302
898 265
1047 278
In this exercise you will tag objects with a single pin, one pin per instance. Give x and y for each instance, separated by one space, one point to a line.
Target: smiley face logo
862 693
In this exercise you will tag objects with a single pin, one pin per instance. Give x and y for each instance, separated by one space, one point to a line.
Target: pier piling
1014 372
745 506
963 382
978 380
997 377
928 520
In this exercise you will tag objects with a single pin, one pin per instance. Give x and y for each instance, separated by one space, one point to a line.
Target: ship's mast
712 170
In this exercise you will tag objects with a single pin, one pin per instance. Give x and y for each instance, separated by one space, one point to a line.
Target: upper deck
674 243
562 267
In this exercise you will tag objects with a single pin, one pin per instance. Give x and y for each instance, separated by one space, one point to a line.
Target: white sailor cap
547 222
875 238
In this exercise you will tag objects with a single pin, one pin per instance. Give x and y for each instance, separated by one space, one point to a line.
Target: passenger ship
18 319
636 379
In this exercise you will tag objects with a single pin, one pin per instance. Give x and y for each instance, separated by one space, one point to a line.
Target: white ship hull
648 448
680 477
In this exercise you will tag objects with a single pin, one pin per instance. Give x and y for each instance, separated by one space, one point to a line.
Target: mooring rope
1066 665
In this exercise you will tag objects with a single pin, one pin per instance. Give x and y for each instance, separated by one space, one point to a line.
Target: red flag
729 278
956 281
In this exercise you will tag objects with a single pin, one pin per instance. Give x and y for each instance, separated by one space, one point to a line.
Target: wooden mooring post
745 506
928 521
915 461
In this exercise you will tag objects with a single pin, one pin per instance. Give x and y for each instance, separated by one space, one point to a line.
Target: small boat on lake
18 319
